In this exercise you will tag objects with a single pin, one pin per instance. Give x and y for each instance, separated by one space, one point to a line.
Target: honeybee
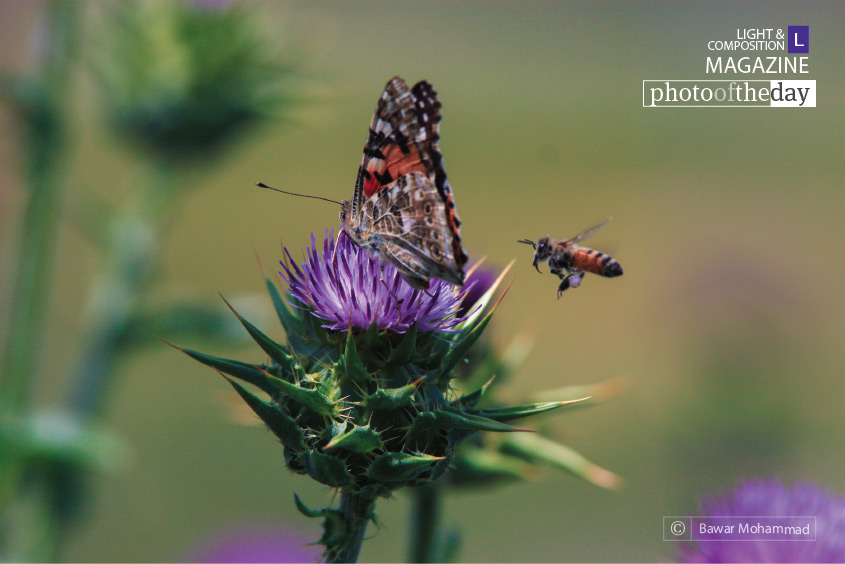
570 261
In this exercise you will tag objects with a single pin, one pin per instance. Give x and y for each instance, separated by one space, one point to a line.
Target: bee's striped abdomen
596 262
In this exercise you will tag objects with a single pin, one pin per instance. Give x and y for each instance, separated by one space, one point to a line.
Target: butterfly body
402 210
569 261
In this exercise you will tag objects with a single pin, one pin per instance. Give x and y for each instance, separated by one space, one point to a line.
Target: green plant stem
134 240
425 529
42 104
129 260
357 511
30 533
43 108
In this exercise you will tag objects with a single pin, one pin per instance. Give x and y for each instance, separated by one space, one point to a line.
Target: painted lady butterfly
402 210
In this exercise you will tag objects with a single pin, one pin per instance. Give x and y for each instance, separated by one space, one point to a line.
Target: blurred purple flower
257 543
351 287
477 283
770 498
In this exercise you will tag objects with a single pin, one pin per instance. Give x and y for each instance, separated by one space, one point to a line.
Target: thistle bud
181 80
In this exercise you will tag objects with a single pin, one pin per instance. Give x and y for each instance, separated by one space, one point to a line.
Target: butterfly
402 210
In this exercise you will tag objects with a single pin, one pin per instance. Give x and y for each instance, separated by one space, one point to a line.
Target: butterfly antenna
262 185
528 242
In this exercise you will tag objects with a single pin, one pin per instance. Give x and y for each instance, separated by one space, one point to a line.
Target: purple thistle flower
345 285
477 283
770 498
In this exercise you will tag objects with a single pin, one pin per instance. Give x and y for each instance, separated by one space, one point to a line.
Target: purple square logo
798 39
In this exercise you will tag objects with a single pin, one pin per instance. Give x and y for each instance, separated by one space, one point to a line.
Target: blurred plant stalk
132 248
180 83
133 242
41 104
425 520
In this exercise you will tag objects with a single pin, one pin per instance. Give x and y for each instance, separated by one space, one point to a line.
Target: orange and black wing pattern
403 140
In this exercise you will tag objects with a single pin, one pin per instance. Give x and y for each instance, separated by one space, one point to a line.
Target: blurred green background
728 323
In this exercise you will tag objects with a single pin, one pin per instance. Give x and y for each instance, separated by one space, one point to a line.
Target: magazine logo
798 38
729 93
749 67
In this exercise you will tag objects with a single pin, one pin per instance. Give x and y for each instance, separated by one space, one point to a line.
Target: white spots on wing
383 127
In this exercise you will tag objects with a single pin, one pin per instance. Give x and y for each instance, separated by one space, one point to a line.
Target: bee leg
572 280
564 285
558 271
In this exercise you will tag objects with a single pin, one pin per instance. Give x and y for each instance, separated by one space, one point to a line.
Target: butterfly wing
410 223
403 143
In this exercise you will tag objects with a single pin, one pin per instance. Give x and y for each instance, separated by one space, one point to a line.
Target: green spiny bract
491 459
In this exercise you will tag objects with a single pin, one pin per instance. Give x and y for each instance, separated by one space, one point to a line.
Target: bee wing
589 231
